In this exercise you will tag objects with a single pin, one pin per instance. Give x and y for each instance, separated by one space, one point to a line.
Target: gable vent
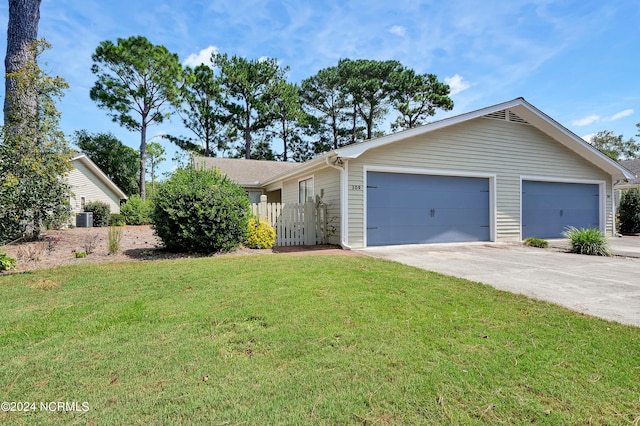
506 115
516 118
498 115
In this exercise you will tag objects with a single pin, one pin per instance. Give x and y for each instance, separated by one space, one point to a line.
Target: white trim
313 183
493 225
602 194
345 210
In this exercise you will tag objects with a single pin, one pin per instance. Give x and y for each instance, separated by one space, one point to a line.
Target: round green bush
260 234
200 211
101 212
136 212
630 212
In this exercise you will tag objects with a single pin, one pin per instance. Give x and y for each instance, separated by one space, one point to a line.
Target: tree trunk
247 139
22 31
143 158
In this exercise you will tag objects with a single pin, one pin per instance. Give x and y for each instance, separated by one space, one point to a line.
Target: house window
305 190
82 202
254 196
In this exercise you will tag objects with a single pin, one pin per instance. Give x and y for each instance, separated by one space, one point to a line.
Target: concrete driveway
606 287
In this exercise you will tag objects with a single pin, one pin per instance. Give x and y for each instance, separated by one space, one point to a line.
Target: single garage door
413 209
548 208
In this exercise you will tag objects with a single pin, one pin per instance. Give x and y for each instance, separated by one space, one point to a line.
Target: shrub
80 254
200 211
101 212
590 241
137 212
629 211
114 237
116 219
6 262
536 242
260 234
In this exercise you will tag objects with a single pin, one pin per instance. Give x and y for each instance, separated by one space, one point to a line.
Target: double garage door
414 209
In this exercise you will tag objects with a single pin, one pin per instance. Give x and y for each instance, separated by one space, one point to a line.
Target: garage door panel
548 208
412 209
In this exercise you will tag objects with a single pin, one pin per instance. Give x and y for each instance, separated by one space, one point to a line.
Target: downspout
343 202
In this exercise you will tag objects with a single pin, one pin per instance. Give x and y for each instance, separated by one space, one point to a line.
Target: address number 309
356 187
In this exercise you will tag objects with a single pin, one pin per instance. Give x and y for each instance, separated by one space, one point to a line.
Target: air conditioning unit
84 220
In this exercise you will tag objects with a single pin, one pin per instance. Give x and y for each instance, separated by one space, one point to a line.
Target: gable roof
247 173
518 110
634 167
86 161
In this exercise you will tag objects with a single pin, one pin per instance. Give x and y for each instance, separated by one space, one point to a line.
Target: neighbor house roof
82 158
634 167
518 110
246 172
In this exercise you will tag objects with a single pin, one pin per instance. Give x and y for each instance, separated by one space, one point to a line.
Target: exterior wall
85 184
326 183
510 151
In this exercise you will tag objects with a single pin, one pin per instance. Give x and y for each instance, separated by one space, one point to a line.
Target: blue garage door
548 208
413 209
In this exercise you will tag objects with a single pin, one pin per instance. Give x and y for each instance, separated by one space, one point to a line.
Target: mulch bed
138 243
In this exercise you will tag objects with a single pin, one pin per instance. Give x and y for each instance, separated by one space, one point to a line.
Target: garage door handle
432 212
561 213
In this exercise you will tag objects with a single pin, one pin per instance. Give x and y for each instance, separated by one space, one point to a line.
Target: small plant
52 242
6 263
80 254
90 243
117 219
536 242
137 212
101 212
260 234
591 241
115 235
32 251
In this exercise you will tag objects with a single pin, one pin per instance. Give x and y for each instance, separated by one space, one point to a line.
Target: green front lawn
303 340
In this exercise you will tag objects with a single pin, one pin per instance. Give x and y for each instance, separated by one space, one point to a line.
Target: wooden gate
295 224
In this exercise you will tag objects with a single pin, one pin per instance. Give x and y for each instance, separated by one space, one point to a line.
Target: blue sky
576 60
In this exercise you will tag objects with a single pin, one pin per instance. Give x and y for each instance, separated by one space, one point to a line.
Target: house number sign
356 187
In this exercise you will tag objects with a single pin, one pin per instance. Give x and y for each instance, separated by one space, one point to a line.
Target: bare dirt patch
138 243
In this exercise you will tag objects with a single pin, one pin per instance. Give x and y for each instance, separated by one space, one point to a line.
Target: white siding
326 183
508 150
85 184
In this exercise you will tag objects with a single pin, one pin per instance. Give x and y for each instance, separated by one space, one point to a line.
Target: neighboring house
89 183
250 174
634 167
502 173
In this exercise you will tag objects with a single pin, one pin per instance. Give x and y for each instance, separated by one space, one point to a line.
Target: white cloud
202 57
457 84
588 137
589 119
621 114
398 30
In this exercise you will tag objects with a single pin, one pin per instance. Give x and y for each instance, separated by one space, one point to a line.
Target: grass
304 340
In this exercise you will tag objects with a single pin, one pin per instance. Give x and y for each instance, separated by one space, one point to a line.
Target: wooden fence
295 224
